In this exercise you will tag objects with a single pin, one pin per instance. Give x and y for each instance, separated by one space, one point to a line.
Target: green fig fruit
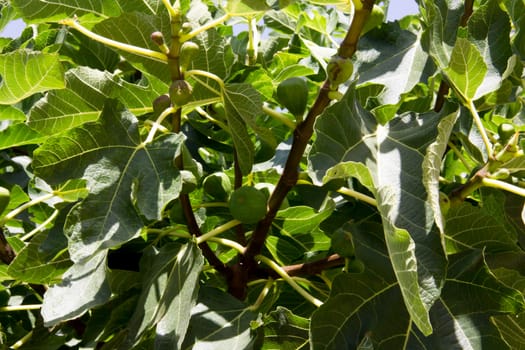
292 93
505 132
188 50
180 92
339 70
247 204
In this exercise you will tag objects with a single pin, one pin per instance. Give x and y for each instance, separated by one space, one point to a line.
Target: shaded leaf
169 292
18 135
362 307
396 59
392 155
83 286
32 265
286 331
481 227
219 321
489 30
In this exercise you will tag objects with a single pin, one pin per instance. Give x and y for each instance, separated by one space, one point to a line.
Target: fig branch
302 134
444 87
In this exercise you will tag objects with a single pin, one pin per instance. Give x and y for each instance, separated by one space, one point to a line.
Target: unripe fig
189 181
188 50
339 70
157 38
4 198
292 93
247 204
180 92
444 203
505 132
161 103
217 185
342 243
500 174
177 213
186 27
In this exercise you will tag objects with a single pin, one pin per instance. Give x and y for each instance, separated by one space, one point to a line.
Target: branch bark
301 137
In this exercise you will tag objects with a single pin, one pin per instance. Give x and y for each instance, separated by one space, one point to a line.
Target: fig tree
247 204
292 93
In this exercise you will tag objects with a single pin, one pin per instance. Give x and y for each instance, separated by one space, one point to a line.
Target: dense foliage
279 174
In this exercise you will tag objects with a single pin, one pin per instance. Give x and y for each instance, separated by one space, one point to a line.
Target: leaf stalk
155 55
281 272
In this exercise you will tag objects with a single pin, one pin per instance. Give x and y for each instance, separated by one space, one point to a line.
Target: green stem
289 280
40 227
203 113
170 8
13 213
205 27
459 155
212 205
472 108
253 41
157 124
22 341
503 186
158 56
218 230
194 72
278 116
20 307
358 195
262 295
228 243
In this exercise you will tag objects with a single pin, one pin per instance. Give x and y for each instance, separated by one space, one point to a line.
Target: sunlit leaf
466 69
26 72
126 179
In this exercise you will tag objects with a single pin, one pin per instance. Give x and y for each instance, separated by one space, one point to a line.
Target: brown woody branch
301 137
